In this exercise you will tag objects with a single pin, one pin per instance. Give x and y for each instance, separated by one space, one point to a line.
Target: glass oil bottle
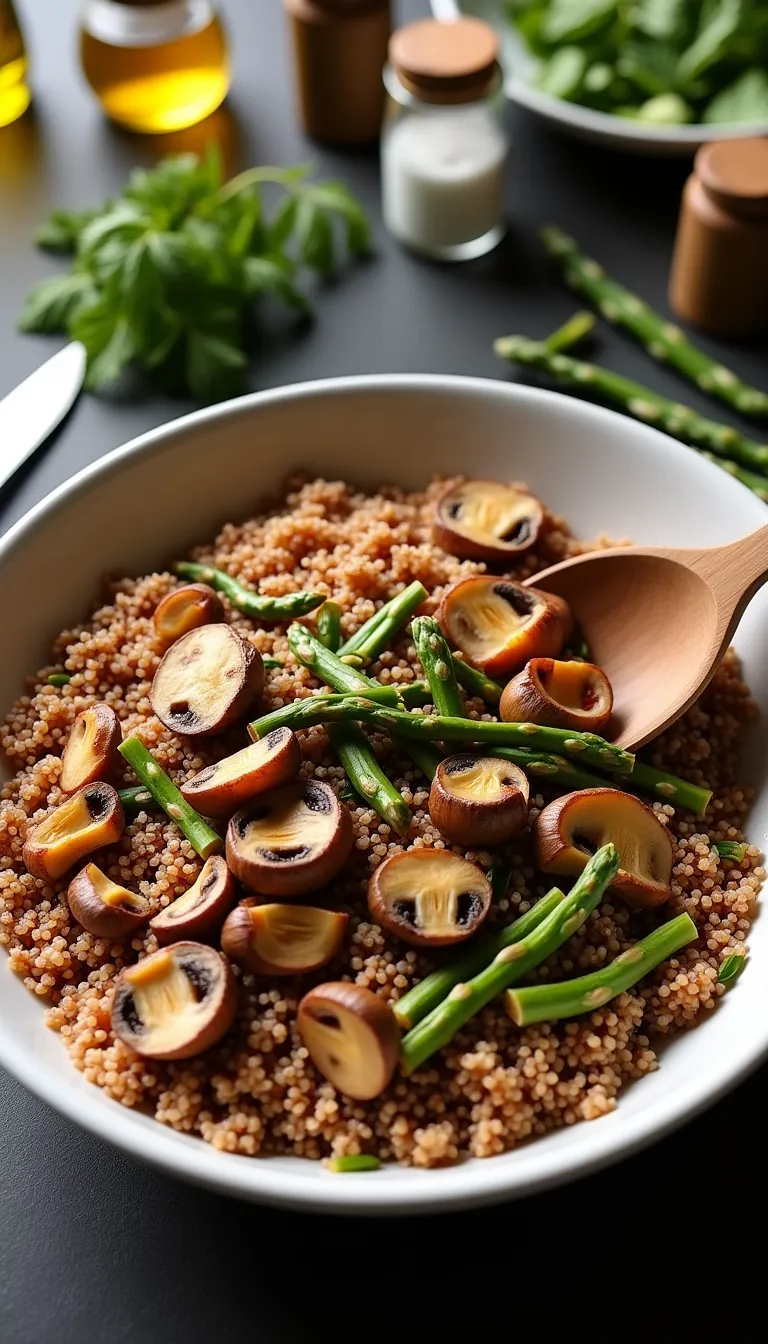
14 91
155 65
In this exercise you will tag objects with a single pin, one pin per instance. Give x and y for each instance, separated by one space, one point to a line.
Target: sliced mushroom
186 608
219 790
103 907
478 800
562 695
571 828
499 625
175 1003
91 750
199 912
429 897
486 520
206 681
282 939
92 818
292 842
352 1037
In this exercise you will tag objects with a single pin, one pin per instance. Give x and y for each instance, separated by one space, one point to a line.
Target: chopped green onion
730 849
353 1162
730 968
58 679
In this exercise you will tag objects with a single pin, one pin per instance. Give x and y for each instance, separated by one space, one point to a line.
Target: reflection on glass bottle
155 65
14 92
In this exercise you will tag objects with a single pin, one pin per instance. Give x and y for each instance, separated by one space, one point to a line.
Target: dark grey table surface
96 1247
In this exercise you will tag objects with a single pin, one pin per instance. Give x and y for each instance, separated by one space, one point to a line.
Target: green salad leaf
168 276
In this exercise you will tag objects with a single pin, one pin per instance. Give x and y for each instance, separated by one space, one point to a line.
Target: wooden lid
735 172
445 62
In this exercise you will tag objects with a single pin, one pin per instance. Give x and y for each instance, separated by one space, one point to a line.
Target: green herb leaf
337 199
730 968
314 234
282 223
572 20
719 27
563 74
61 231
213 363
746 99
52 304
274 275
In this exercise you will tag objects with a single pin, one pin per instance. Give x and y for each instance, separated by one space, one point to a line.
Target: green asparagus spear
200 835
663 340
642 779
730 968
252 604
328 667
431 991
679 421
730 849
435 658
423 754
572 332
553 769
135 799
511 964
590 748
353 1162
366 775
550 1003
58 679
647 779
414 694
374 636
329 625
498 876
272 662
476 682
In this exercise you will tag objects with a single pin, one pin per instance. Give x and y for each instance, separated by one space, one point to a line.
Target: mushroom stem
662 339
512 963
374 636
419 1001
328 667
324 709
255 605
329 625
367 777
135 799
550 1003
200 835
477 683
435 658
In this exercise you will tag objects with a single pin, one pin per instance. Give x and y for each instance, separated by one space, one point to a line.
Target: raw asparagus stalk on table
642 403
663 340
367 777
550 1003
512 963
323 709
435 658
572 332
328 667
374 636
250 603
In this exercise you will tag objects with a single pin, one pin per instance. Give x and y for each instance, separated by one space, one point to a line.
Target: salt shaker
339 47
719 279
444 148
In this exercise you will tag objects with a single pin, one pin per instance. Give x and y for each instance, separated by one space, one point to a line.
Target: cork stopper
734 174
445 62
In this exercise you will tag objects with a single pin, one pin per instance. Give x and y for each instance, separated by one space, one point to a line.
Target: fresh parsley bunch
658 61
168 275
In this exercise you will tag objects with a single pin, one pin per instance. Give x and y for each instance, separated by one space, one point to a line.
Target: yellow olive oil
14 91
155 67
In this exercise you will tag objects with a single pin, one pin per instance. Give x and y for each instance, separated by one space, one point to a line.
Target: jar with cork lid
154 65
444 147
719 279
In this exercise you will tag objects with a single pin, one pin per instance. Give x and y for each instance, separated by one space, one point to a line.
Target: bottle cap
445 62
734 173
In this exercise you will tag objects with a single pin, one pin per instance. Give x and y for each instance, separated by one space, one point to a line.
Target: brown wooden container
340 47
719 279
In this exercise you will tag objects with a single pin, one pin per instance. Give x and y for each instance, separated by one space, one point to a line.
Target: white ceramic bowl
585 123
144 503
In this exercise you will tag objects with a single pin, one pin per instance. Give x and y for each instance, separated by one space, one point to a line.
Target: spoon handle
737 570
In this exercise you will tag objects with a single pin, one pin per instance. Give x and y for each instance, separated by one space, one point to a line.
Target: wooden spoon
658 620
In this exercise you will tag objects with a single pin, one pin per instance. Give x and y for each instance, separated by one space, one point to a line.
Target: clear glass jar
14 90
443 168
155 65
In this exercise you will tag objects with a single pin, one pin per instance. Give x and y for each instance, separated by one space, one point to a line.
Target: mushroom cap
87 820
186 608
499 625
282 939
570 829
290 842
561 694
478 800
429 897
91 749
352 1037
220 789
200 911
103 907
486 520
175 1003
206 681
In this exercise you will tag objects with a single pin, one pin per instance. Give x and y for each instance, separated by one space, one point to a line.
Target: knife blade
33 409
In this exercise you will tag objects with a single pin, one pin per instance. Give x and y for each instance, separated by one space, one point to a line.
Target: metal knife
33 409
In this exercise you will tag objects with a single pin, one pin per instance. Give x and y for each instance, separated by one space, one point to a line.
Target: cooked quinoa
257 1092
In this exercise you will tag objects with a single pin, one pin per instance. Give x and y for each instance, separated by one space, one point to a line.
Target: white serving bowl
143 504
601 128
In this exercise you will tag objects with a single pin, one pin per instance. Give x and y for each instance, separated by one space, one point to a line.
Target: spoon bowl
658 621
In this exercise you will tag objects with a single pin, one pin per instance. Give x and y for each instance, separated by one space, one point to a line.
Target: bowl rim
470 1183
606 125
